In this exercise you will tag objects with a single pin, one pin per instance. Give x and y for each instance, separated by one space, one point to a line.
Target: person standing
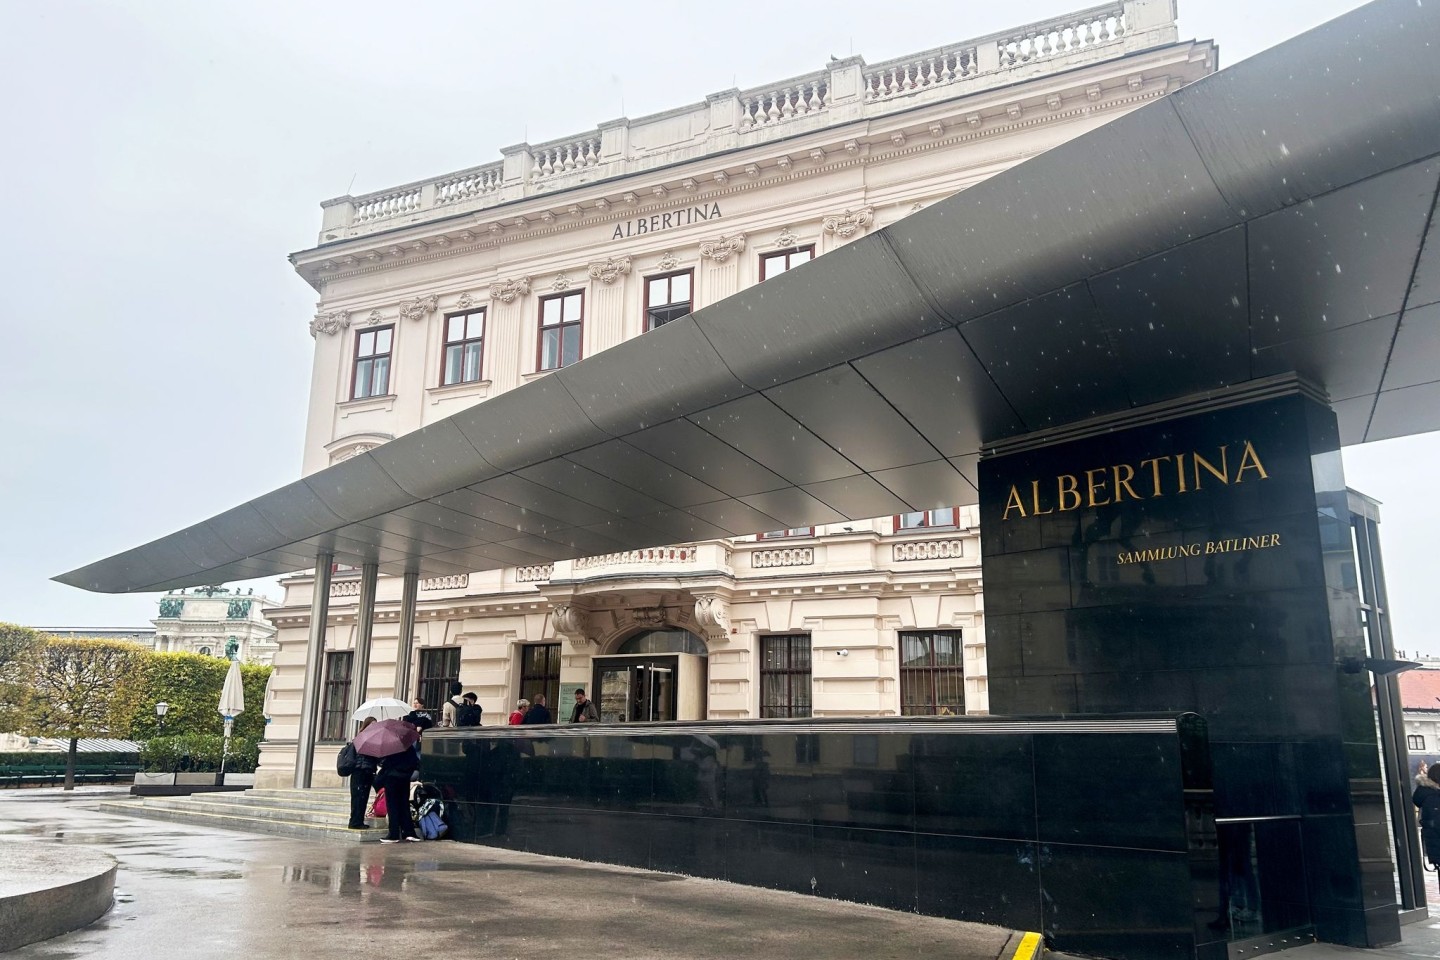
452 706
393 778
1427 799
538 712
517 716
469 713
362 780
584 711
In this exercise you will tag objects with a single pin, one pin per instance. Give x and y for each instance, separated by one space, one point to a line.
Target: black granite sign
1205 564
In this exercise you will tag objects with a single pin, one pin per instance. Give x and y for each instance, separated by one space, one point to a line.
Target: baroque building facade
439 294
216 622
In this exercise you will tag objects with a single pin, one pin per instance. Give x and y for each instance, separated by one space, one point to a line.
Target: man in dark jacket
538 712
394 778
584 711
362 780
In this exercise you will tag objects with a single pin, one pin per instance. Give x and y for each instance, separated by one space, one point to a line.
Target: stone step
244 824
204 804
341 802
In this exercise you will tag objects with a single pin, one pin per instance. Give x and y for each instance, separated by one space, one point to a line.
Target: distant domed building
216 622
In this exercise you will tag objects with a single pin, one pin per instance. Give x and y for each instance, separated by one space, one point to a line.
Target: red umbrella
386 738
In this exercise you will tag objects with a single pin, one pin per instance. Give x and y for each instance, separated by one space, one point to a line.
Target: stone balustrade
863 91
782 557
797 98
913 74
649 556
1076 33
469 184
459 581
387 205
929 550
565 156
535 573
345 588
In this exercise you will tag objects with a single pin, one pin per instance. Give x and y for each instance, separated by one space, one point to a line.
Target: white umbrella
232 695
232 703
381 708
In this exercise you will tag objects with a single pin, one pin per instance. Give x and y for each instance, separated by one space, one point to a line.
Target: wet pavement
199 893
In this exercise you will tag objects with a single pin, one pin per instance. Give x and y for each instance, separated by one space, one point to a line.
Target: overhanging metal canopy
1275 217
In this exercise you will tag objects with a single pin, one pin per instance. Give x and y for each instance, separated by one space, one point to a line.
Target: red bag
381 810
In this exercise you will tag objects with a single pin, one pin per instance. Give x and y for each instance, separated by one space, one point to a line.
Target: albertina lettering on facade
1175 473
665 221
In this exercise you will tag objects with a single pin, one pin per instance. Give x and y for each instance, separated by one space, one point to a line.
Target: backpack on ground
468 715
431 822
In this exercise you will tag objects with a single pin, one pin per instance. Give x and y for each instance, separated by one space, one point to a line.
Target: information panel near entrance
1204 563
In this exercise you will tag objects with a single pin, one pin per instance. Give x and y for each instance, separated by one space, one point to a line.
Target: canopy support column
410 591
364 630
314 655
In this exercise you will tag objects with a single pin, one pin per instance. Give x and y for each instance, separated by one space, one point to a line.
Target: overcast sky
162 158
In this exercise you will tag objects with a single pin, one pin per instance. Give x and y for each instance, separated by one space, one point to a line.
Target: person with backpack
361 771
469 712
452 706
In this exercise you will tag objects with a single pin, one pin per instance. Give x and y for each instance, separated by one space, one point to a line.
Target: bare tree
79 688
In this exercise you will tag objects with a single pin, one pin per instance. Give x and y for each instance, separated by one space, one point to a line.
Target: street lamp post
161 709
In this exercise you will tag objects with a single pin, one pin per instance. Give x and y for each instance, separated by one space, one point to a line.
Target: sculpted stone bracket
609 270
721 248
712 615
574 624
419 308
507 290
330 323
849 223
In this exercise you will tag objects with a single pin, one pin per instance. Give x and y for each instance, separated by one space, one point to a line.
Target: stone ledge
47 889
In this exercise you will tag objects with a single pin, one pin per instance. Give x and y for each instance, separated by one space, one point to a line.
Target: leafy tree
190 683
17 650
80 688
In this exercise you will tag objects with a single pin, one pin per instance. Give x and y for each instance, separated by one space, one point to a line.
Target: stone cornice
371 254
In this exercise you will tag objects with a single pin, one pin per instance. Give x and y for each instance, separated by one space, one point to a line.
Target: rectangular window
946 517
439 667
792 532
1415 742
561 319
774 264
333 709
667 297
540 672
785 676
932 674
372 363
464 347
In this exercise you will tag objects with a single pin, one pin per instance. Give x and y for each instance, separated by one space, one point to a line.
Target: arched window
665 641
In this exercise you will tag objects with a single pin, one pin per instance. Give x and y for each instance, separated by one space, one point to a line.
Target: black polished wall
1249 637
1009 822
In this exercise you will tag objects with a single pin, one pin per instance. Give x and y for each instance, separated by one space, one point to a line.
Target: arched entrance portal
653 676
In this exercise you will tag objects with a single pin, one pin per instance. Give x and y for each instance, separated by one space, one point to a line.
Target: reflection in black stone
989 820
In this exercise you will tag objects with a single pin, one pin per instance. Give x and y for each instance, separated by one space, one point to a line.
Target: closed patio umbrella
232 703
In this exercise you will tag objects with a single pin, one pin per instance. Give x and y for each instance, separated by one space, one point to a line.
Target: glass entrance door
636 689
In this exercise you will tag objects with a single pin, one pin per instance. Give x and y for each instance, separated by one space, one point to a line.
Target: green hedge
47 759
190 683
198 753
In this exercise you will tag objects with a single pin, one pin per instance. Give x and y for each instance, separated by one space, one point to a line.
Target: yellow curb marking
1029 945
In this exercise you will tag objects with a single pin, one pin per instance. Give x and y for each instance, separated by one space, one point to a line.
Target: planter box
239 779
195 779
154 779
